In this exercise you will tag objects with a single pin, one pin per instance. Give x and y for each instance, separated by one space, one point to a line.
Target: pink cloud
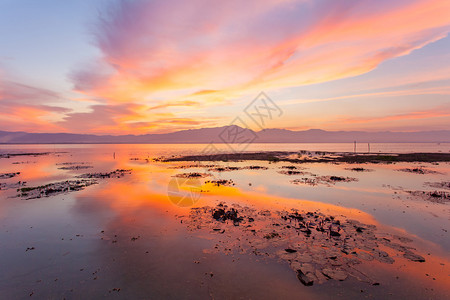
27 108
233 46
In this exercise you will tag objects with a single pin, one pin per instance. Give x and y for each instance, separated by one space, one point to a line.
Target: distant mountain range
228 134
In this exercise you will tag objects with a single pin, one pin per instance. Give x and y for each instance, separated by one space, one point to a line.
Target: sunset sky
120 67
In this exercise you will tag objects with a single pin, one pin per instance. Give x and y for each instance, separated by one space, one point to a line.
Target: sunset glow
134 67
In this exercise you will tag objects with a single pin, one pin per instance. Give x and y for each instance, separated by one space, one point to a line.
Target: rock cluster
323 180
8 175
114 174
318 247
55 188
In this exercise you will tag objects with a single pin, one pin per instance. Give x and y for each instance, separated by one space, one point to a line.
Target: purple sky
157 66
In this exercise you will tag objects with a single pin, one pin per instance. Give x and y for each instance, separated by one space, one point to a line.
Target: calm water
73 234
185 149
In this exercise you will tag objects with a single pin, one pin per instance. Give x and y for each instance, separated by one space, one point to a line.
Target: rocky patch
323 180
55 188
114 174
318 247
8 175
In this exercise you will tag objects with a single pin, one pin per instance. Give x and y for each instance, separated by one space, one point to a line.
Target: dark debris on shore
318 247
55 188
323 180
113 174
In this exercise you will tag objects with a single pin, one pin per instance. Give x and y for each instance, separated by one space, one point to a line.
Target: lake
149 229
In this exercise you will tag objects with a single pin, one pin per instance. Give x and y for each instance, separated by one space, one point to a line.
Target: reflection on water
123 237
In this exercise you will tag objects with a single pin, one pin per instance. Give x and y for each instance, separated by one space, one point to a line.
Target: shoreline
318 156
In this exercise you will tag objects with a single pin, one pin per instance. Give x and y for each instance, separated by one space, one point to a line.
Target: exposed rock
413 257
114 174
193 175
304 278
8 175
318 254
323 180
334 274
224 182
419 170
55 188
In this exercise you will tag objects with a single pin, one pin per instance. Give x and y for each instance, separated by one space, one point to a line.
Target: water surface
125 233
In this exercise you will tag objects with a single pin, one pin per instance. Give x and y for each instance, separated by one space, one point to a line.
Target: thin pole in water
368 146
354 147
114 155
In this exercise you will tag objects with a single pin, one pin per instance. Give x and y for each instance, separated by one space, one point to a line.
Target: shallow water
125 233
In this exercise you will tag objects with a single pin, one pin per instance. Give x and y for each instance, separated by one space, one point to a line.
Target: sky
150 66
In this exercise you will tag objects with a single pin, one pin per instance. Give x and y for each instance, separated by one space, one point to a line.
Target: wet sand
123 237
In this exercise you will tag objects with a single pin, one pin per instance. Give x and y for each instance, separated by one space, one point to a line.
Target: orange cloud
415 115
262 44
26 108
162 63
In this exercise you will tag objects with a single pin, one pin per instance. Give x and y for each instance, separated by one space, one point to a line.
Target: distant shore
318 156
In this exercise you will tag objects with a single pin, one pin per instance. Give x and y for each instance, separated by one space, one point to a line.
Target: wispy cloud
165 65
233 46
27 108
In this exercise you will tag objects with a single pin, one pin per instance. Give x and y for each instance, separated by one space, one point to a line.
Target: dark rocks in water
413 257
334 233
304 278
191 175
271 235
296 217
359 169
291 172
307 231
8 175
222 215
337 178
323 180
55 188
334 274
359 229
315 258
75 167
289 167
434 196
219 214
441 185
383 256
419 170
223 169
289 250
256 168
224 182
114 174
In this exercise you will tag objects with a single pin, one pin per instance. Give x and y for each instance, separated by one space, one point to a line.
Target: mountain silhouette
225 134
